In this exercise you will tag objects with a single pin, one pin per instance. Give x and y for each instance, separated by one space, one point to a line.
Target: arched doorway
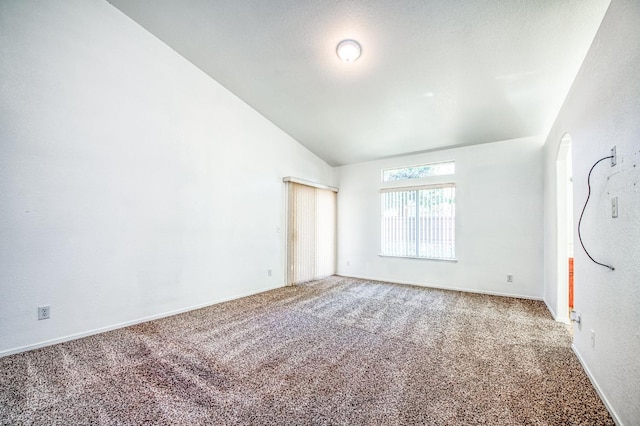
564 228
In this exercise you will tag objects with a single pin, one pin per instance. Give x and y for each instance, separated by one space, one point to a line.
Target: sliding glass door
311 232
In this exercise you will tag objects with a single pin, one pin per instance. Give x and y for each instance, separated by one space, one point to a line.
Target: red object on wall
571 283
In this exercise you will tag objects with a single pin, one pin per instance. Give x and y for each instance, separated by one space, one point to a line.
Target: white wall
603 110
498 221
131 184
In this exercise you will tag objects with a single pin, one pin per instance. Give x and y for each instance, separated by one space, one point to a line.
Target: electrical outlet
593 338
509 278
269 272
614 207
44 312
614 157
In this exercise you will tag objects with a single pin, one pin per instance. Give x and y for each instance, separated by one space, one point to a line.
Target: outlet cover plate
44 312
614 158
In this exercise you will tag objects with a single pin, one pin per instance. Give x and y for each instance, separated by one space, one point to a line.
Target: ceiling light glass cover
349 50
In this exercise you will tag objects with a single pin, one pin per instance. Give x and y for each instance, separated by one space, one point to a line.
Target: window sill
419 258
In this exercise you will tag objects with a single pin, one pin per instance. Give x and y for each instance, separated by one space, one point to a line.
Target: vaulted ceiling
433 73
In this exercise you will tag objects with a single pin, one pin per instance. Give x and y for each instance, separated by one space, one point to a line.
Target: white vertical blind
311 228
419 222
325 233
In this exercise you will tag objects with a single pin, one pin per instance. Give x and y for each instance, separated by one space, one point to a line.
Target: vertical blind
419 222
311 233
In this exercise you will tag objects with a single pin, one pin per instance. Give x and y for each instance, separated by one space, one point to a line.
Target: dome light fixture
348 50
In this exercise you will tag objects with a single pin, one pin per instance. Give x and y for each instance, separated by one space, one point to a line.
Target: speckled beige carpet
336 351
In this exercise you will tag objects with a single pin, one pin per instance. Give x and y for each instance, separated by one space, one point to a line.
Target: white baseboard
553 313
602 396
466 290
555 316
129 323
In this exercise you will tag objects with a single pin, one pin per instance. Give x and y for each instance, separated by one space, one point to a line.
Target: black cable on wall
583 209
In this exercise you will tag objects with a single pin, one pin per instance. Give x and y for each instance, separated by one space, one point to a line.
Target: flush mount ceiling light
348 50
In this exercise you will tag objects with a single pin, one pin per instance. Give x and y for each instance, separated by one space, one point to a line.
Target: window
419 222
415 172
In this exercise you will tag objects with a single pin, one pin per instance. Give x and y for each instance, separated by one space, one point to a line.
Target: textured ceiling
432 74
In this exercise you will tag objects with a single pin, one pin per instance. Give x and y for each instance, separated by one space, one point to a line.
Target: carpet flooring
336 351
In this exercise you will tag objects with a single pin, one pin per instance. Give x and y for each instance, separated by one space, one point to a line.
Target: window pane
437 223
415 172
399 223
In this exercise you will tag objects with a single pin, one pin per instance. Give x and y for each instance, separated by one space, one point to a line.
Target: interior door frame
563 210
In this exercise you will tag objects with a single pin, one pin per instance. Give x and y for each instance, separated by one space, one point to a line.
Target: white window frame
416 166
419 236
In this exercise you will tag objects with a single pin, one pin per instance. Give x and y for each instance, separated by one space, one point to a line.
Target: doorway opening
564 227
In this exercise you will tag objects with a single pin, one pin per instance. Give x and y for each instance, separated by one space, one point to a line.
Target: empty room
416 212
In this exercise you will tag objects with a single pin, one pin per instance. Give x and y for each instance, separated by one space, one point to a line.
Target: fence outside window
419 222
